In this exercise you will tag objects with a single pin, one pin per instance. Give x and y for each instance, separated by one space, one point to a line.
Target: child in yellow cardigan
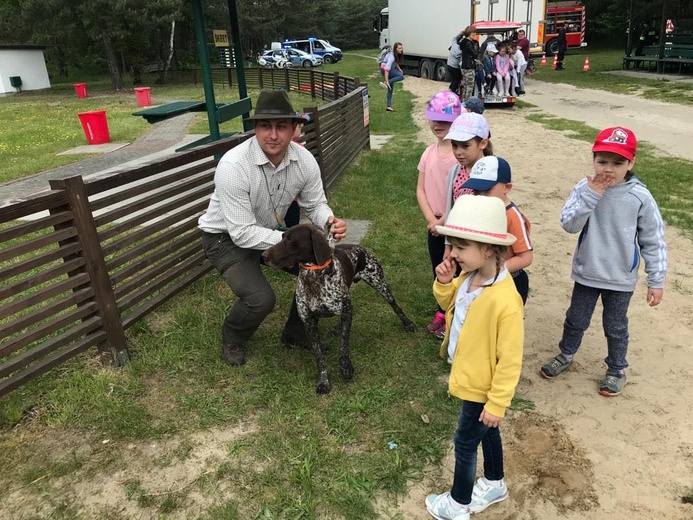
484 339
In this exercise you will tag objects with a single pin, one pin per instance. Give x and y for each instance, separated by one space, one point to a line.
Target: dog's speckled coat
324 291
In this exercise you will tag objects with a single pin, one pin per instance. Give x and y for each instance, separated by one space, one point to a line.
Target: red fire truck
571 15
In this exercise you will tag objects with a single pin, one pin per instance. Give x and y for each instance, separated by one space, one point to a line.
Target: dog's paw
323 387
346 368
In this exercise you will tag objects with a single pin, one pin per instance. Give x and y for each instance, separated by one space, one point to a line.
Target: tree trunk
112 61
170 54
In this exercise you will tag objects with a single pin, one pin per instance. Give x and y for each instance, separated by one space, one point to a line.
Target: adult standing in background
491 38
562 47
523 43
391 69
468 62
454 59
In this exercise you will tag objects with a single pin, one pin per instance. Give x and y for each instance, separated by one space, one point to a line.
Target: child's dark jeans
470 432
614 320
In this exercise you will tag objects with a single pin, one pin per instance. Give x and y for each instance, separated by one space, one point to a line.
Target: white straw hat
478 218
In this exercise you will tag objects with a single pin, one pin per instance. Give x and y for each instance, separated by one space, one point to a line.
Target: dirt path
667 126
580 455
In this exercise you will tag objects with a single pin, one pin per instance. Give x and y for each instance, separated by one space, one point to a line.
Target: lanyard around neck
280 222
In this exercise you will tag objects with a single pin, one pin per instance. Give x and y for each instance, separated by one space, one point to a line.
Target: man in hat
254 185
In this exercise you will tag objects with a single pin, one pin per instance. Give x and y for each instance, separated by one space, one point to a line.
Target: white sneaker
440 507
484 495
383 84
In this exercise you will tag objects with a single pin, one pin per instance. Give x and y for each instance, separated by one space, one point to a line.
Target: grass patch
602 63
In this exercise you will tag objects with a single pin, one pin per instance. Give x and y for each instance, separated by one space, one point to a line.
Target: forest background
122 38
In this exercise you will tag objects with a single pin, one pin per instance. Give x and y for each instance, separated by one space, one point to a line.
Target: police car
287 57
329 52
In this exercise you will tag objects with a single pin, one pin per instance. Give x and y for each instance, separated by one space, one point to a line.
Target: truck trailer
426 29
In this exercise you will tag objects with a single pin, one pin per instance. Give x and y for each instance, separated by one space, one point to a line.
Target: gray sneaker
613 383
484 495
555 366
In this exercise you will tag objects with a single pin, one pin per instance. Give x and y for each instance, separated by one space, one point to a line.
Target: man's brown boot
232 354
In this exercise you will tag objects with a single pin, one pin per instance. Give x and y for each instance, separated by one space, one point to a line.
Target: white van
329 53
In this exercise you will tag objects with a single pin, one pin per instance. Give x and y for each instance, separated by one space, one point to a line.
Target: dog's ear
321 248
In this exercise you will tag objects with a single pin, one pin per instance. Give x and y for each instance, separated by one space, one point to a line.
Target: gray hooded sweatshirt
616 228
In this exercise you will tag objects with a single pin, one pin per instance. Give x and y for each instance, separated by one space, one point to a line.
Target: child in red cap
619 222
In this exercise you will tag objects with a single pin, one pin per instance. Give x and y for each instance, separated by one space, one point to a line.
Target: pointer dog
324 279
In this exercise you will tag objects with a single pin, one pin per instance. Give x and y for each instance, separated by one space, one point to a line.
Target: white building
25 62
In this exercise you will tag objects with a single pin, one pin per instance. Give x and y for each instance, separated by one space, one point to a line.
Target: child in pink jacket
503 65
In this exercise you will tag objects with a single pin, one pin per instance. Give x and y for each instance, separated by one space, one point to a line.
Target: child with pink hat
484 343
433 168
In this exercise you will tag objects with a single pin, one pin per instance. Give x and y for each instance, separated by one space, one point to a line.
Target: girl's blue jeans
467 437
393 77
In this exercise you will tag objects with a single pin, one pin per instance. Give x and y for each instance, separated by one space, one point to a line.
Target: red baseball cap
616 140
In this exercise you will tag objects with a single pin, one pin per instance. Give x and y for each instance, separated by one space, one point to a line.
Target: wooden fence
320 85
83 261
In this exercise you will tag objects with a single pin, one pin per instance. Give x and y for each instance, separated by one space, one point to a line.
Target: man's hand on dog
338 228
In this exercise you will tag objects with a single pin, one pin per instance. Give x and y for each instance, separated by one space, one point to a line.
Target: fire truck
570 15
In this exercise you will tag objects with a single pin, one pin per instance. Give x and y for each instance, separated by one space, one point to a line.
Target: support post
335 85
240 58
114 351
315 119
206 70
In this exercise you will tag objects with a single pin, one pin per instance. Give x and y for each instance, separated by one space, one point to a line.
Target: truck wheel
441 71
327 58
426 70
551 47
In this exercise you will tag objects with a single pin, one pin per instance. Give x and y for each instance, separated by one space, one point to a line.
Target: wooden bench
225 111
678 50
156 114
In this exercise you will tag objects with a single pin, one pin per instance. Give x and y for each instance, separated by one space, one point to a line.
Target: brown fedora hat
275 104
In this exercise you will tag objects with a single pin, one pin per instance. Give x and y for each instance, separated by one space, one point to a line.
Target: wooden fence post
287 85
335 84
260 72
114 351
312 83
314 114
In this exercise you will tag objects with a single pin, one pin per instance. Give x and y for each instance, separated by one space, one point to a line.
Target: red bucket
81 90
95 126
144 96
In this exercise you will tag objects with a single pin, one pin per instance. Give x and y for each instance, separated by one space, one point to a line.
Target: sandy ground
580 455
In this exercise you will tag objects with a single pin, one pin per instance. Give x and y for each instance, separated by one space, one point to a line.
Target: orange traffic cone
543 59
555 60
586 66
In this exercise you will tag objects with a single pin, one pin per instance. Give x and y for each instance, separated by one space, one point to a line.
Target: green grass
604 61
40 124
303 456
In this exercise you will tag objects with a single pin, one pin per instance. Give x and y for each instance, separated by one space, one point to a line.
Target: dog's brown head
302 244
